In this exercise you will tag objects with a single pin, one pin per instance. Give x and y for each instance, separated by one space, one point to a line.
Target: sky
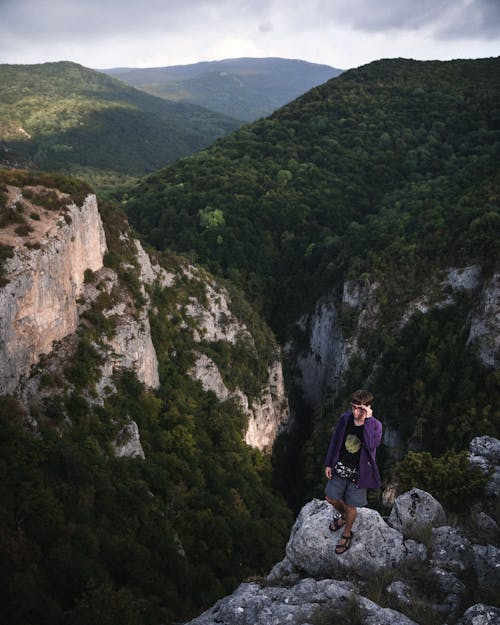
155 33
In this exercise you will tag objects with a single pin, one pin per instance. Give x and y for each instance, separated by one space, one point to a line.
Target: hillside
68 118
137 397
245 88
363 221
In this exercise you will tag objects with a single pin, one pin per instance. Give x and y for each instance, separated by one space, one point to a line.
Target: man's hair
362 396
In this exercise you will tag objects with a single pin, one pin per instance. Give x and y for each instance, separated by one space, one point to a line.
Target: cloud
343 33
465 19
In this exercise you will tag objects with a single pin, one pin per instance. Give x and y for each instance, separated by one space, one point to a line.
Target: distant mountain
62 116
243 88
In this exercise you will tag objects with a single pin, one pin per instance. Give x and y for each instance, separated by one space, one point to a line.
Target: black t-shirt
351 447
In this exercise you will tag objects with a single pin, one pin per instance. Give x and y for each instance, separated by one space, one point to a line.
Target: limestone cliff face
485 323
267 413
38 304
320 367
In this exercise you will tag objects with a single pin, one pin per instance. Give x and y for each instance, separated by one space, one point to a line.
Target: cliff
57 293
334 330
38 305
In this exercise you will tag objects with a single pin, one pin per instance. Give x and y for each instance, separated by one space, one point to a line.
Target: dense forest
388 174
68 118
391 168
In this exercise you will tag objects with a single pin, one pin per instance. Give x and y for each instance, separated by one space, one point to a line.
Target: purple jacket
369 476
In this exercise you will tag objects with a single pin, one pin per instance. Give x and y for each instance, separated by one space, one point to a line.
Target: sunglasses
358 405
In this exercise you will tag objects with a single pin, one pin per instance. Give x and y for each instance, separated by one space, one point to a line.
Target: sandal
342 547
336 523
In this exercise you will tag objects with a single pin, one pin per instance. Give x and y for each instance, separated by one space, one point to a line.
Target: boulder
447 583
487 567
485 453
451 551
480 614
450 590
493 485
486 447
375 547
306 602
414 513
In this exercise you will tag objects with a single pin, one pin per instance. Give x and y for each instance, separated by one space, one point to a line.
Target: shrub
450 478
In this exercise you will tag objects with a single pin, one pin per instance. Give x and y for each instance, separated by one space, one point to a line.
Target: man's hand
368 412
328 472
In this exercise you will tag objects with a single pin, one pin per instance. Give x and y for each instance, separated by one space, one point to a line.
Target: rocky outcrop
127 443
38 305
485 453
485 323
377 546
267 414
308 585
131 347
416 512
481 614
308 601
214 321
487 567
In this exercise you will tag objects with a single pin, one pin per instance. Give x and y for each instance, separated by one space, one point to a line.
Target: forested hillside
386 176
68 118
391 167
93 533
242 88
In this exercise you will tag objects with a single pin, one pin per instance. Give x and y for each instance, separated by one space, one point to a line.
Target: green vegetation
386 175
450 478
389 170
65 117
241 88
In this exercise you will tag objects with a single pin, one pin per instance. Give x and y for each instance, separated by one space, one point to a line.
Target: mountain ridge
246 88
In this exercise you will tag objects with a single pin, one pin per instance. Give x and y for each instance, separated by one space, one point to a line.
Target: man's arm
372 433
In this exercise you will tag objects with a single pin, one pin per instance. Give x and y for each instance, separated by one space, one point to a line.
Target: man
350 464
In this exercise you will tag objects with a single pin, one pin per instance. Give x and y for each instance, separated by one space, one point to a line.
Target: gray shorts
347 491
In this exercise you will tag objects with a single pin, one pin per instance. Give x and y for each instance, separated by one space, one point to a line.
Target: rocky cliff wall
331 342
267 413
38 305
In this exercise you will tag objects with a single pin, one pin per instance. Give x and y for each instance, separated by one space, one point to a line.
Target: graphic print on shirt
352 443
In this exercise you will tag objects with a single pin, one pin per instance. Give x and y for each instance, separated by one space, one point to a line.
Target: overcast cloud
342 33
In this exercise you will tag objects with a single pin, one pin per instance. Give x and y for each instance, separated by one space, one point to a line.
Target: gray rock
285 572
375 547
401 592
487 567
487 525
253 604
128 442
493 486
480 614
416 512
487 447
447 583
451 551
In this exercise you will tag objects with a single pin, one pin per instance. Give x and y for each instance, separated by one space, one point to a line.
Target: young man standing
350 464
